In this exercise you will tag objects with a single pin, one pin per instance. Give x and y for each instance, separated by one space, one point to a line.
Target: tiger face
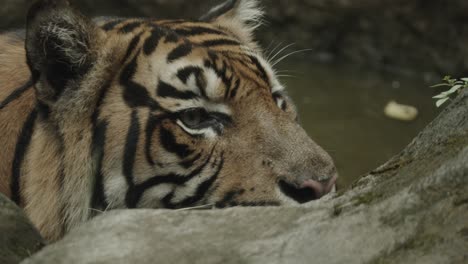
168 114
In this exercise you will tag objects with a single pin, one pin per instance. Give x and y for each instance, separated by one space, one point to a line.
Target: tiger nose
309 189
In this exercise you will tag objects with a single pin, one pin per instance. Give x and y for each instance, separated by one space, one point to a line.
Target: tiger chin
112 113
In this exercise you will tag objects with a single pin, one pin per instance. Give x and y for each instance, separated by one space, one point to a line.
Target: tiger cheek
245 183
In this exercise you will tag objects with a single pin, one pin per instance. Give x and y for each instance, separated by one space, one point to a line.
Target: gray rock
413 209
18 237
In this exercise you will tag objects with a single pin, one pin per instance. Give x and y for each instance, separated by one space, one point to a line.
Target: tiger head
170 113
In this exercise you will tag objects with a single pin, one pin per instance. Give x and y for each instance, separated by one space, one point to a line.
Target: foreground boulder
413 209
18 238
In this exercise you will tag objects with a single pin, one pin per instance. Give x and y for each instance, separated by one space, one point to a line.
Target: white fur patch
116 190
151 197
250 13
205 132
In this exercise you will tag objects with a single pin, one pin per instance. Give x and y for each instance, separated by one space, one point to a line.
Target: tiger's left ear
61 46
240 17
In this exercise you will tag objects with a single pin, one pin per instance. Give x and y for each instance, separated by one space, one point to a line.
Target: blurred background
360 55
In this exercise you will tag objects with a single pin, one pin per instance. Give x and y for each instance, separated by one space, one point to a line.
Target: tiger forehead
231 62
197 33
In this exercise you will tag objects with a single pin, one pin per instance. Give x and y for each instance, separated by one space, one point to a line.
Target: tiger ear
60 46
241 17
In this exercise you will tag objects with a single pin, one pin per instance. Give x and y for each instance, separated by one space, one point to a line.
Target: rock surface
397 34
413 209
18 238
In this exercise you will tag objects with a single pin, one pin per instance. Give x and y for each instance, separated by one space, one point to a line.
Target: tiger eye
196 118
192 118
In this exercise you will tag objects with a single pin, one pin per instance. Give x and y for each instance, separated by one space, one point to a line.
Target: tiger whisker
278 71
267 49
279 53
108 207
101 211
274 48
96 210
288 55
286 76
200 207
270 53
288 71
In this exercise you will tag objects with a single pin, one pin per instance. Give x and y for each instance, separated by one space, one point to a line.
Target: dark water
341 108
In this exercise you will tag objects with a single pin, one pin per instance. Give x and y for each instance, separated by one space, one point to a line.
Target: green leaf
441 101
453 89
440 96
440 85
464 79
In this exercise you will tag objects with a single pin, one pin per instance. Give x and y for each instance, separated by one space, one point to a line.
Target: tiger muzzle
309 190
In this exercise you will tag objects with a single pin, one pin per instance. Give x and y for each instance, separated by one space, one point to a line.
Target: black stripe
202 188
229 198
228 88
134 197
168 141
134 94
262 70
131 47
179 52
171 37
219 42
98 200
184 73
131 145
21 148
166 201
16 93
128 28
222 73
259 82
151 43
171 178
198 30
201 83
189 162
111 25
167 90
151 125
235 89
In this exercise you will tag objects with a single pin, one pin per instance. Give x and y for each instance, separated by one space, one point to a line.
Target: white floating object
401 112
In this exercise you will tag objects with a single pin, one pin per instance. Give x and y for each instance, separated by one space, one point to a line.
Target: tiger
98 114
